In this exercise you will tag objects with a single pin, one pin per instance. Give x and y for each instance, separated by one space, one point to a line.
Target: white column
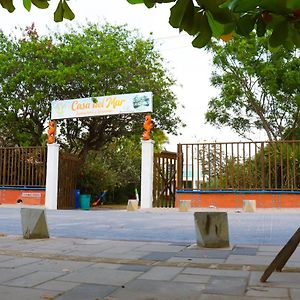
147 174
52 176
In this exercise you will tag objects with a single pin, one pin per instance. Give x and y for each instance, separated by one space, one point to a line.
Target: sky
190 67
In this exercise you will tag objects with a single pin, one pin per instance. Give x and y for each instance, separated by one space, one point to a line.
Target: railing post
179 166
52 176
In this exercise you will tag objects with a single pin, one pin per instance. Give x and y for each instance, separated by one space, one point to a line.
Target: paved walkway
71 269
133 265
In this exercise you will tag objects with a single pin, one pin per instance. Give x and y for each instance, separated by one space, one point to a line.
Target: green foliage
117 165
84 62
259 90
281 18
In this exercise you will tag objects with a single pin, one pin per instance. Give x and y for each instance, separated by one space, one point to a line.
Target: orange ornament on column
147 126
51 132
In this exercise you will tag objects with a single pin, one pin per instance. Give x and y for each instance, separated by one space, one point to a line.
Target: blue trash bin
77 194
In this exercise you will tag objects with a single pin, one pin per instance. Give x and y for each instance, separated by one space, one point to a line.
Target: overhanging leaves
27 4
7 4
42 4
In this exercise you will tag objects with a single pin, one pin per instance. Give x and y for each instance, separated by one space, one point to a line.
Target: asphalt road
266 227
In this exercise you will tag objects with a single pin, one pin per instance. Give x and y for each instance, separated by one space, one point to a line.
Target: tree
85 62
116 165
214 18
258 89
222 18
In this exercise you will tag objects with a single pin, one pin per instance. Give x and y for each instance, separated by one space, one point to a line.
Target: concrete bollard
184 205
132 205
212 229
34 224
249 205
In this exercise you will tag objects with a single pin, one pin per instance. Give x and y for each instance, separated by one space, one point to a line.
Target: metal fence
23 166
239 166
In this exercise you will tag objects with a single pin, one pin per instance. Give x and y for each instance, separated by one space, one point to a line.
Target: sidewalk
76 268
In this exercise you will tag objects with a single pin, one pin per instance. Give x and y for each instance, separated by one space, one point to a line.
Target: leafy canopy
205 19
85 62
259 89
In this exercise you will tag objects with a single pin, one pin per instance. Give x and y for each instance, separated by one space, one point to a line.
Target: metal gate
67 177
164 179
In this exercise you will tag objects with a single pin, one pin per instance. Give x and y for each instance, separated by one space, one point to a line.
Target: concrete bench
184 205
132 205
212 229
249 205
34 224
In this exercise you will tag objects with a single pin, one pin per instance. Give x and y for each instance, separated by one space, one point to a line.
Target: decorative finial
51 132
147 126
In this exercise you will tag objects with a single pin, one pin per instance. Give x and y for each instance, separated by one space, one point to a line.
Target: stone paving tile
244 251
204 254
161 256
120 249
295 294
55 285
226 286
260 292
247 245
249 260
158 290
161 273
197 260
80 253
138 268
55 266
277 279
268 248
5 258
232 297
106 266
18 261
101 276
183 244
9 274
17 293
292 264
160 248
87 292
266 253
89 248
216 272
48 251
33 279
192 278
125 255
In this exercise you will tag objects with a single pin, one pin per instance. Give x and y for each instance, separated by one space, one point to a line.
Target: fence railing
239 166
23 166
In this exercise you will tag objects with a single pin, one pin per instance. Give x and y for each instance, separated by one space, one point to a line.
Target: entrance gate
164 179
67 174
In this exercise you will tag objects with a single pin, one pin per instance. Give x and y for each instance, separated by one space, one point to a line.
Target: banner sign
100 106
